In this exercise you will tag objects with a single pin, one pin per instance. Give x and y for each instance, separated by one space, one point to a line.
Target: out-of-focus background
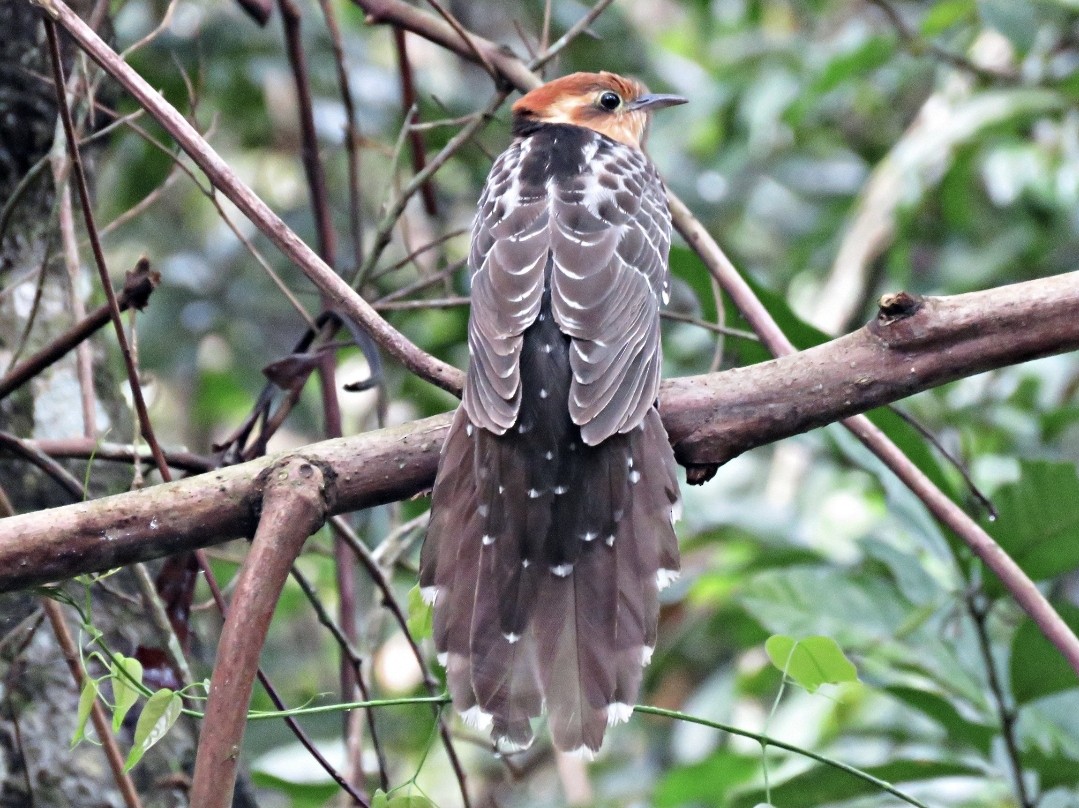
838 150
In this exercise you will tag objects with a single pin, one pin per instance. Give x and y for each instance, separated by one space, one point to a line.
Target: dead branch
138 284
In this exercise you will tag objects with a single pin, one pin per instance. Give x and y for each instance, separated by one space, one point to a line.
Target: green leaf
409 801
1037 668
811 661
420 615
303 795
1038 521
856 63
825 784
86 704
976 735
1055 770
124 693
160 713
943 16
859 610
379 799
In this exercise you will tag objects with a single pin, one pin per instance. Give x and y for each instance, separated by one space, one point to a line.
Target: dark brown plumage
552 515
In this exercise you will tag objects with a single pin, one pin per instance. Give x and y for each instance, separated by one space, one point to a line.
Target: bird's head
612 105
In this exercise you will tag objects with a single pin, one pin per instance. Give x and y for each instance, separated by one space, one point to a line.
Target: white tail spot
546 347
506 746
523 428
533 493
488 539
646 654
511 638
589 536
560 489
634 477
665 578
543 392
562 570
618 713
468 430
482 510
676 512
549 455
525 563
629 462
443 658
584 753
429 594
502 489
609 541
476 718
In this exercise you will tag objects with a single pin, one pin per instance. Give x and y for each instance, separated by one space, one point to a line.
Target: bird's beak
652 101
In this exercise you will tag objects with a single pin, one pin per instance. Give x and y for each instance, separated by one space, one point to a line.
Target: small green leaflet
124 670
160 713
380 799
86 703
420 615
810 661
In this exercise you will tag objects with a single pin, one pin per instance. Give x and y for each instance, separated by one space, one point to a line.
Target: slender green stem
348 705
764 740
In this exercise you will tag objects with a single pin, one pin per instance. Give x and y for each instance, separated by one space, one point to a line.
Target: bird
551 531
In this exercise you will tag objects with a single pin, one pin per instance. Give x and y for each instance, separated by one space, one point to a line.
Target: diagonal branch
223 177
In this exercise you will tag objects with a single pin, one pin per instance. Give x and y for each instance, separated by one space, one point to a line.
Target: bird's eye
610 101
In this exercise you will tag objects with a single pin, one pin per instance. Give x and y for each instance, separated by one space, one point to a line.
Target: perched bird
552 514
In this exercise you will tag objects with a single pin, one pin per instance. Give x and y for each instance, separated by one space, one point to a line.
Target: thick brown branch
913 344
402 15
710 418
293 508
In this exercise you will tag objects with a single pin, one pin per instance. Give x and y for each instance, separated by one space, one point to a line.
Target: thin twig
420 305
352 132
423 283
390 602
917 45
715 328
571 34
136 291
348 650
385 227
986 503
416 253
53 469
466 37
408 102
979 614
99 255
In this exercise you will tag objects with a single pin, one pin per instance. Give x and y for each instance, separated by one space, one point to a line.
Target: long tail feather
544 559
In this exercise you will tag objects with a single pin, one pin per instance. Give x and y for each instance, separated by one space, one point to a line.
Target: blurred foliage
837 152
